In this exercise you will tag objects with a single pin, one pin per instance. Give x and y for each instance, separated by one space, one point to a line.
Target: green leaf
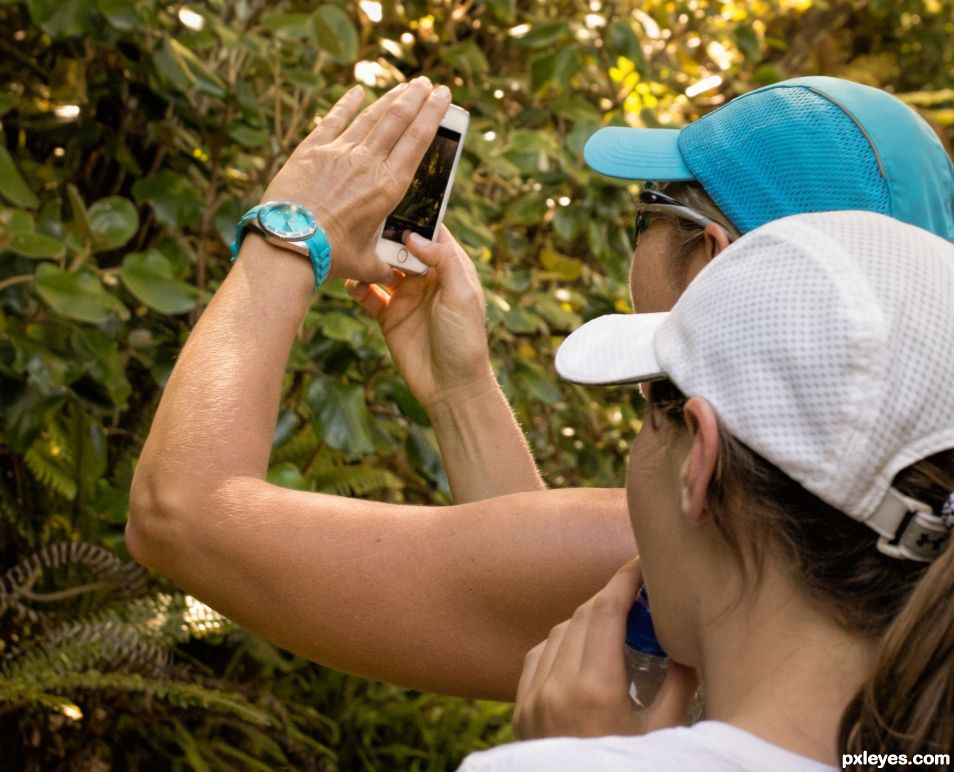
340 415
520 320
150 276
7 103
103 362
569 268
63 18
555 69
338 325
79 295
36 246
181 69
335 32
503 10
466 58
295 25
113 222
621 40
535 381
409 405
749 42
226 218
287 475
545 35
121 15
12 185
174 199
17 221
246 135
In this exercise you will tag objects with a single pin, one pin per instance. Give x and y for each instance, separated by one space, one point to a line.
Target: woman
792 493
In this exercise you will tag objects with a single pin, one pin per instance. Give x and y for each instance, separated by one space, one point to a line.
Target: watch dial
288 221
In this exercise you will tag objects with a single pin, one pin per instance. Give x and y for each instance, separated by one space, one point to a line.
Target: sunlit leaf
335 32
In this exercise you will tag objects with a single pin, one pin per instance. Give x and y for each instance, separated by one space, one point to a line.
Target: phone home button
402 255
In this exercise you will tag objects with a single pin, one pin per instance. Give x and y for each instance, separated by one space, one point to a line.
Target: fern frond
52 688
299 449
129 577
136 635
356 480
50 461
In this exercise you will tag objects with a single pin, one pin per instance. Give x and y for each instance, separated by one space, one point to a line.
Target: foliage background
134 134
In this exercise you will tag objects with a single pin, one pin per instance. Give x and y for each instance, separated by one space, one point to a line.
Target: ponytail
907 703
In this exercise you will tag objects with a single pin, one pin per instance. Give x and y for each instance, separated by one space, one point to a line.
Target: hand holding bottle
576 683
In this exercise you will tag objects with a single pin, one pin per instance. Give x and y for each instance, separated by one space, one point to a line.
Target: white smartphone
422 208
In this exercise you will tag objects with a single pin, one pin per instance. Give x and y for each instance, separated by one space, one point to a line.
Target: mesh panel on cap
782 151
824 342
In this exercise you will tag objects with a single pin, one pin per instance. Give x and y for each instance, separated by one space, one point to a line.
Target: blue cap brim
637 154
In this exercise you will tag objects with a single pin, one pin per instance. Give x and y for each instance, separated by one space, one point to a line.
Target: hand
352 174
575 683
434 324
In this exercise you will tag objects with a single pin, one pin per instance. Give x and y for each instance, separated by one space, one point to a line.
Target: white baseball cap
825 343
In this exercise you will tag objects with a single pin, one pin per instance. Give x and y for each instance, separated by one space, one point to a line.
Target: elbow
155 522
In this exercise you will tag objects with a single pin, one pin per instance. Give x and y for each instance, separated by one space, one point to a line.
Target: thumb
445 257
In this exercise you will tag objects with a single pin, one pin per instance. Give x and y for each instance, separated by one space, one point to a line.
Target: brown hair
906 704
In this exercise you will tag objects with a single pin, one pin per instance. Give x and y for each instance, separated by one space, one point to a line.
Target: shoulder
710 745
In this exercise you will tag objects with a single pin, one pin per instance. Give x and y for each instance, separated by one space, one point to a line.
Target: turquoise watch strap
319 249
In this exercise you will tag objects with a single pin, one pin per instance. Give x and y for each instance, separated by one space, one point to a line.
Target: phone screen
421 205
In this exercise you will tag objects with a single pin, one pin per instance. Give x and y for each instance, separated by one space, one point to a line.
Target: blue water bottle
645 659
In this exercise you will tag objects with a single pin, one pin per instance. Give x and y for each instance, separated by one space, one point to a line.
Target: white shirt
709 745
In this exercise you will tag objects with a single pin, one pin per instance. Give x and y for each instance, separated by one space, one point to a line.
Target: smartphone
422 208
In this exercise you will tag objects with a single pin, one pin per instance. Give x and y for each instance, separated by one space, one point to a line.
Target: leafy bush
133 136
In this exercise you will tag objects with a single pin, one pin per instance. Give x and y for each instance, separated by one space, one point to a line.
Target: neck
779 667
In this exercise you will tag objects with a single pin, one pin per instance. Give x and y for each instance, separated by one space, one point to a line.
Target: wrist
464 396
272 269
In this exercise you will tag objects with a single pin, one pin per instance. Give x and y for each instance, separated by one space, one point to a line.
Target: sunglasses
655 202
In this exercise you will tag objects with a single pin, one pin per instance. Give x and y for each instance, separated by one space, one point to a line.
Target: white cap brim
612 349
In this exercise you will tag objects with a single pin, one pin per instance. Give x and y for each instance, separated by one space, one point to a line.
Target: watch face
287 221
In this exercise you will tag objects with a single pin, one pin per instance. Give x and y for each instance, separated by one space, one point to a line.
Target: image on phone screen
421 205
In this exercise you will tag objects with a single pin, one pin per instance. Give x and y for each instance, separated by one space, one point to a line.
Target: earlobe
700 463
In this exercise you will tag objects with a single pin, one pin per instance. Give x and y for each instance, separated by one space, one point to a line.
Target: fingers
404 116
372 298
372 115
606 631
408 146
337 118
551 650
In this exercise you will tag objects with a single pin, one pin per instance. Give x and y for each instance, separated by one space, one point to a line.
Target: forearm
218 410
484 450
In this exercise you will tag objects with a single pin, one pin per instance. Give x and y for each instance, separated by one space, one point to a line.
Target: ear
700 464
715 239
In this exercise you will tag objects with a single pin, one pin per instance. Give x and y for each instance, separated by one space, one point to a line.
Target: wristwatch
289 226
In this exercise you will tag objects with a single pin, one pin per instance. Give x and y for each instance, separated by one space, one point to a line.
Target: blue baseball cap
814 144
